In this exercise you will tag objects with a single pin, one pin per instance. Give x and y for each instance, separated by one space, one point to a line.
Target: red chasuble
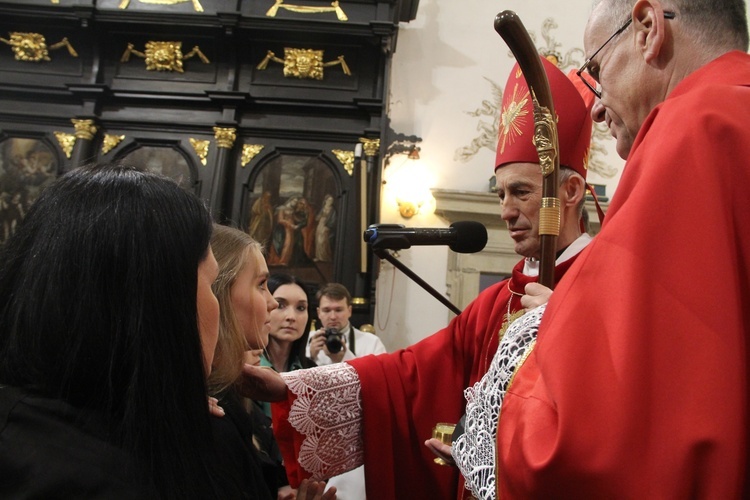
405 393
638 385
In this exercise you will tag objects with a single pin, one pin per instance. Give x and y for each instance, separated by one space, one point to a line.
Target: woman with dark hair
290 325
107 331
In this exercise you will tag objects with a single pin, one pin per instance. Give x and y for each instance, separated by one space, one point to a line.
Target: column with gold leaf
222 187
83 149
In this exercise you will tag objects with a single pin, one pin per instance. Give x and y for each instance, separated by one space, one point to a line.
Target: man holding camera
337 340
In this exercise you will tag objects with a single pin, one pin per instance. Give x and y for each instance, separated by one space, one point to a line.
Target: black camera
334 340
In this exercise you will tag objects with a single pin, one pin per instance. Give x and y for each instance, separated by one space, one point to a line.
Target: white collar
531 266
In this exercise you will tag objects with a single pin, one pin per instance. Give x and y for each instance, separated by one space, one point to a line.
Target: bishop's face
519 187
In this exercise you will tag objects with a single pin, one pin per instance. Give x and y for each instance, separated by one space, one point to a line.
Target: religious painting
27 166
292 209
164 160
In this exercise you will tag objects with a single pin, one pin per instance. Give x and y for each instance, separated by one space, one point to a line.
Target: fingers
214 408
440 449
536 295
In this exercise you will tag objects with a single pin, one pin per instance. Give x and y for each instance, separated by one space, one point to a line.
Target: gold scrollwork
346 158
225 137
249 151
371 146
66 141
110 142
163 56
32 47
545 137
85 129
303 63
201 148
196 3
306 9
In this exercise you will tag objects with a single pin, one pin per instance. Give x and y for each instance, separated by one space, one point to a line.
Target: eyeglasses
596 91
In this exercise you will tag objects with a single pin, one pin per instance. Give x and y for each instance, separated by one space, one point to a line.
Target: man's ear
572 191
649 27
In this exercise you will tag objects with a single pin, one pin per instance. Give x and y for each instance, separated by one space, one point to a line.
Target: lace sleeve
328 413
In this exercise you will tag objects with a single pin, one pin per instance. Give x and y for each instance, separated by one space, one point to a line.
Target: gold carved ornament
249 151
163 56
110 142
32 47
346 158
225 137
371 146
85 129
306 9
201 148
303 63
66 141
546 142
196 3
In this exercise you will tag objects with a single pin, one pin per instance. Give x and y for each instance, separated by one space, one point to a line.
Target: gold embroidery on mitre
513 118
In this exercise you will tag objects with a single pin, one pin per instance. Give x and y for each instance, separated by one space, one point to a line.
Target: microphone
461 237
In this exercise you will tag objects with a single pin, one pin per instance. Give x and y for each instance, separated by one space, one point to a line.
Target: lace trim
328 413
474 450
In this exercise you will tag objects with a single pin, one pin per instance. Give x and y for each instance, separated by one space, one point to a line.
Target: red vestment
405 393
638 384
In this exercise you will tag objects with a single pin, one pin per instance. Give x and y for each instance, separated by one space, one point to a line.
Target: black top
49 449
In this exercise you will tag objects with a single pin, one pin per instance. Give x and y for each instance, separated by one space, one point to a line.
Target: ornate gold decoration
371 146
196 3
201 148
85 129
303 63
225 137
67 141
545 137
305 9
346 158
249 151
513 118
164 56
549 216
110 142
32 47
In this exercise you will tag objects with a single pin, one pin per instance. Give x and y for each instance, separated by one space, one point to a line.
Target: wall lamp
407 179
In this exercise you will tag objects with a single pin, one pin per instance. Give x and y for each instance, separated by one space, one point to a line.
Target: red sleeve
404 394
288 440
638 385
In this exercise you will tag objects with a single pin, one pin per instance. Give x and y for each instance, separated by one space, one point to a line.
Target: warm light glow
408 183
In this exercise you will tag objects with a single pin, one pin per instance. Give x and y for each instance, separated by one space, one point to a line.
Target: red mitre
574 123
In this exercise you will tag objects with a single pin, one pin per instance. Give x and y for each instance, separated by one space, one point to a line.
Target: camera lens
333 341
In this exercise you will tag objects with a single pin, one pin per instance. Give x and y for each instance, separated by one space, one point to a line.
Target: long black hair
299 346
98 308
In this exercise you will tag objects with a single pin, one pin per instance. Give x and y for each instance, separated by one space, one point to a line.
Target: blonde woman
245 303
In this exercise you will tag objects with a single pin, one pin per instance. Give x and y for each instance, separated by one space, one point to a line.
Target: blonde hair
234 250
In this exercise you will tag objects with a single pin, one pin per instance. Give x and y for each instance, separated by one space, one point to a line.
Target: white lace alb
474 450
328 412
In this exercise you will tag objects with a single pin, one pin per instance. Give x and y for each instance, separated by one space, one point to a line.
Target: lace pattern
474 450
328 413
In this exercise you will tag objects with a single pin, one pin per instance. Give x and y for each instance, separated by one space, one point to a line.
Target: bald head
663 44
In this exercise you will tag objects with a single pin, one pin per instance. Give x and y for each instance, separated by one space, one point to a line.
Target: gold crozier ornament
546 143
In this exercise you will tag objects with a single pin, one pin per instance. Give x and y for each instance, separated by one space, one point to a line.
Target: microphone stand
384 254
